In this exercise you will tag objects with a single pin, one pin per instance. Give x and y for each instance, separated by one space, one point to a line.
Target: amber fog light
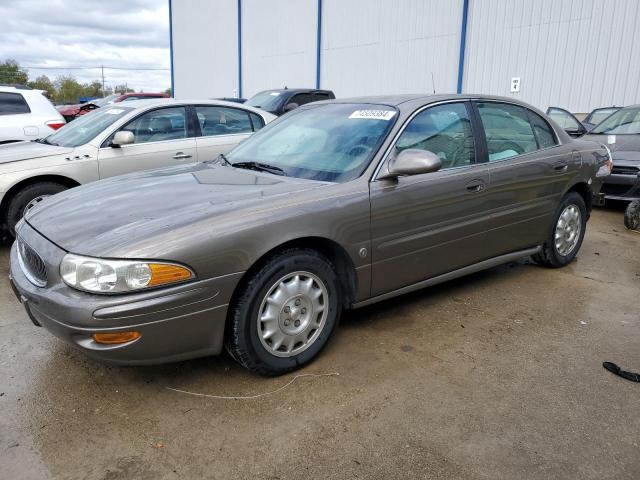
115 338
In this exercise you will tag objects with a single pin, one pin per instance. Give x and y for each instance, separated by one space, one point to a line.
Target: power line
93 68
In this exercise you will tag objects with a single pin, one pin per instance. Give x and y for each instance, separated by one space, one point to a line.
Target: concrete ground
494 376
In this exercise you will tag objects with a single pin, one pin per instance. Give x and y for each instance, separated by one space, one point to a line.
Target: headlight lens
117 276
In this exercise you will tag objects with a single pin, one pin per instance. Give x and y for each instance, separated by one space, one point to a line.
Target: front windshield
332 142
87 127
625 121
101 102
600 114
268 100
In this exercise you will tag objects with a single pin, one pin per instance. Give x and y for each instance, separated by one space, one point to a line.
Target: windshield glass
332 143
87 127
625 121
101 102
268 100
600 114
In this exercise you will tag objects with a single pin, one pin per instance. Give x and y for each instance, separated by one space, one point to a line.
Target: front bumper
175 323
622 186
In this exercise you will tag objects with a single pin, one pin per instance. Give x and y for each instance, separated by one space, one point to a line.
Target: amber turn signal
161 274
115 338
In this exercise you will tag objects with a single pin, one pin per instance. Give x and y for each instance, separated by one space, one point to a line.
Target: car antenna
433 84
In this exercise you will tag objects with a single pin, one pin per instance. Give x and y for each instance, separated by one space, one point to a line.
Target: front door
429 224
160 139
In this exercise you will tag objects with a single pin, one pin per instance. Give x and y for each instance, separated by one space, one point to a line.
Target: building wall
372 47
576 54
279 44
205 53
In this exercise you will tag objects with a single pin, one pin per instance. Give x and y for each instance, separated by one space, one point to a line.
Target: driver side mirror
290 106
123 137
576 131
412 161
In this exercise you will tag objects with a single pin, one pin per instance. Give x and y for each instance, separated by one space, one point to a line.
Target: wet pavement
497 375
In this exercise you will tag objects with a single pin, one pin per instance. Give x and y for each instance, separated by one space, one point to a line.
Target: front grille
32 265
624 170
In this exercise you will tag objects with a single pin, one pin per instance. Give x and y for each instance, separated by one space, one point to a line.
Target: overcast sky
89 33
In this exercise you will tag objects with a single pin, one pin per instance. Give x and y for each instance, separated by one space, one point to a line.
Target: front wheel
285 314
26 199
567 233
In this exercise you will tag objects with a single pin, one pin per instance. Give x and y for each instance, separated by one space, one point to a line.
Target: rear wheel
26 199
567 232
285 314
632 216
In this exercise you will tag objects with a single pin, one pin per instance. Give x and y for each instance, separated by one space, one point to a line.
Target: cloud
131 34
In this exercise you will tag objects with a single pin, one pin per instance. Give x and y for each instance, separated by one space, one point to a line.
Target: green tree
68 89
43 83
10 72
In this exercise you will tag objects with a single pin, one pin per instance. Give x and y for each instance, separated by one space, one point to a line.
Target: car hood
623 147
104 218
14 152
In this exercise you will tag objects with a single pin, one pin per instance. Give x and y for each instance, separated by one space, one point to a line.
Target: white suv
26 114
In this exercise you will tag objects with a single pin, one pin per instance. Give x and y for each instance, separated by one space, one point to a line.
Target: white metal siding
278 44
205 53
374 47
578 54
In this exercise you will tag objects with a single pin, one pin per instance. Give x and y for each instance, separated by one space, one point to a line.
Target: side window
563 118
444 130
128 99
301 99
222 121
257 120
159 125
321 96
544 133
12 104
507 129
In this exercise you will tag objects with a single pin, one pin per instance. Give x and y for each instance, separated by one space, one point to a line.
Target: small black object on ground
613 368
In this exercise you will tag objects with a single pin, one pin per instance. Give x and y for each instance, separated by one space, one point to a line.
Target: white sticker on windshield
275 94
373 114
115 111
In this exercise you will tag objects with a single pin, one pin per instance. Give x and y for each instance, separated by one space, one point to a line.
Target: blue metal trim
239 48
463 43
173 92
318 43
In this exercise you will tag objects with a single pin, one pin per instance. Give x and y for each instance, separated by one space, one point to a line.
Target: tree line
63 89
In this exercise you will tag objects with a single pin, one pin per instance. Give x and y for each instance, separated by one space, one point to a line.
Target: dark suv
282 101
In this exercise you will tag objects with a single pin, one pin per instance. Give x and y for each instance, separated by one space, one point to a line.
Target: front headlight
118 276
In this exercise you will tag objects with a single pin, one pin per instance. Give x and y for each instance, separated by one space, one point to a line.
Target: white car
118 139
26 114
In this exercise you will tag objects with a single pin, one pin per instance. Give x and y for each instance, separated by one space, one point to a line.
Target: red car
69 112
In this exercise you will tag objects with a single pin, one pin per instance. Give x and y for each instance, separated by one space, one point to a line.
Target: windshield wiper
262 167
45 141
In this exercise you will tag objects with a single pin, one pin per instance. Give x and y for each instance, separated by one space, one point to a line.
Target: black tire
549 255
242 337
21 199
632 216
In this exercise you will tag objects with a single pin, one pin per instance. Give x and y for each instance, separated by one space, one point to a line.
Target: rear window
12 104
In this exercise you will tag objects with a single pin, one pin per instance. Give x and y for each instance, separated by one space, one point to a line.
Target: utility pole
102 69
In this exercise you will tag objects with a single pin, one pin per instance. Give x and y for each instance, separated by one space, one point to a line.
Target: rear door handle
475 186
181 155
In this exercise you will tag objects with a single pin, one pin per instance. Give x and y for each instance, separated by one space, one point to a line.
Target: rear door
162 138
429 224
16 121
529 171
219 129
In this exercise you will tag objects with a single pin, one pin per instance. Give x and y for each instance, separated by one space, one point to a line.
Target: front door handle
561 167
181 155
475 186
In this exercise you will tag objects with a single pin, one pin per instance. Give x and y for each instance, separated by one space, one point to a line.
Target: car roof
411 100
151 102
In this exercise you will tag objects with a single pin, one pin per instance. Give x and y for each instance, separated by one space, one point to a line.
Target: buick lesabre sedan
333 206
116 139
